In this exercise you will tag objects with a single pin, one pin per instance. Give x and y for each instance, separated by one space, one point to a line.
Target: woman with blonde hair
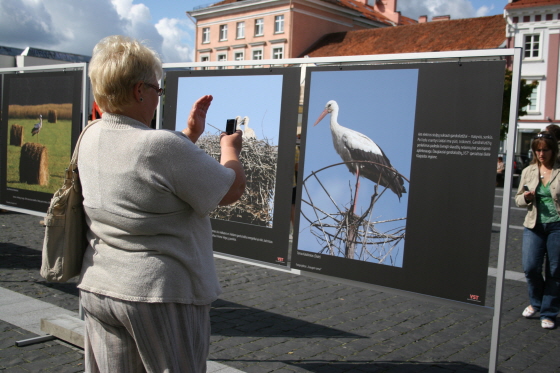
148 275
539 191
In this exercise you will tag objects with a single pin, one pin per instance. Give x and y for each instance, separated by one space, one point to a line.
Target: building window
223 32
278 24
206 35
222 58
533 107
240 30
277 53
204 59
257 55
532 46
239 56
259 27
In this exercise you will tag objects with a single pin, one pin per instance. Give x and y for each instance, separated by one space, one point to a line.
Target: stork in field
354 146
37 127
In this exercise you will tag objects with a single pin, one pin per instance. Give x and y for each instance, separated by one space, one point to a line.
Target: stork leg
351 219
354 202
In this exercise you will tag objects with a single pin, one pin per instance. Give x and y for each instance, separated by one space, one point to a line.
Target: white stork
238 123
354 146
37 127
248 133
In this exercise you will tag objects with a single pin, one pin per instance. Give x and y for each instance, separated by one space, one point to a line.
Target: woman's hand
233 141
231 148
529 196
197 118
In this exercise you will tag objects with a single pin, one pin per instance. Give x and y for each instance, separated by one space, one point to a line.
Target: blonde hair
117 64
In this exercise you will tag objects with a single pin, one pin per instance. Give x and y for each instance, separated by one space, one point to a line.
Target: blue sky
378 103
256 96
76 26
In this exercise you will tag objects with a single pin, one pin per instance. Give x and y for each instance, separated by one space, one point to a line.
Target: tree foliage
525 90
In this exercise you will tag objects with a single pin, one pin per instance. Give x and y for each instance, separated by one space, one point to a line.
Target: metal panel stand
506 201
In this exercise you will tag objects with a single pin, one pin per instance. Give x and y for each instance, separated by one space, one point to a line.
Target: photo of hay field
36 162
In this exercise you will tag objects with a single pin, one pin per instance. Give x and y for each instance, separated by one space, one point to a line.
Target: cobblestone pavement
271 321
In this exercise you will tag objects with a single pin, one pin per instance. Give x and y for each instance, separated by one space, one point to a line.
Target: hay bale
33 164
52 116
16 135
259 160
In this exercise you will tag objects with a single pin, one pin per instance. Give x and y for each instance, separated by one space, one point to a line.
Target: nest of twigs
341 232
259 160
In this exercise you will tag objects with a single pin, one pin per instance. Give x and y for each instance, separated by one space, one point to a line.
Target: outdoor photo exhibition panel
41 122
264 104
424 139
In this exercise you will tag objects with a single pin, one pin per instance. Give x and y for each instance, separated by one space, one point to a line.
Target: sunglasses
158 89
545 135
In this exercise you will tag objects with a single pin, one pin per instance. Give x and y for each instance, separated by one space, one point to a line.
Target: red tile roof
531 3
461 34
367 11
407 21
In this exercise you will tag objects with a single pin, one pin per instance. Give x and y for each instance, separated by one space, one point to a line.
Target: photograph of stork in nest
254 102
357 160
39 126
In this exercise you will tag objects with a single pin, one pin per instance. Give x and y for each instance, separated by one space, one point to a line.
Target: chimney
441 18
388 8
422 19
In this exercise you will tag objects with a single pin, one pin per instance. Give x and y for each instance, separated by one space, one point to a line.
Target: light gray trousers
131 337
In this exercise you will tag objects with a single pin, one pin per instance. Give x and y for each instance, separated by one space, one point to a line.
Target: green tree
525 90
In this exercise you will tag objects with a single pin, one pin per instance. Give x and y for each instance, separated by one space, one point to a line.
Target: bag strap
74 160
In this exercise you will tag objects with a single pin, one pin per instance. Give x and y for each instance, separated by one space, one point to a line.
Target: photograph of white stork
357 170
362 156
241 97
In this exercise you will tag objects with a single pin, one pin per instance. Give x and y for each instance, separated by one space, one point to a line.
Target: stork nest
339 232
259 160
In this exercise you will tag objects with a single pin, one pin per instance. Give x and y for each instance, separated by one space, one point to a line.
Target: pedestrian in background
148 275
539 191
501 167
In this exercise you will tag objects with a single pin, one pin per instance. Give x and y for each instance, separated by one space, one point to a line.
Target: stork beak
325 112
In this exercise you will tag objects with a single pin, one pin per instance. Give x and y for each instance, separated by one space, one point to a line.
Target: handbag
65 226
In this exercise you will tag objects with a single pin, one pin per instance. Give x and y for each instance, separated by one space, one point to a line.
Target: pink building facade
534 25
236 30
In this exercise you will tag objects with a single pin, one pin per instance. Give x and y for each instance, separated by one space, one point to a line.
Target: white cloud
75 26
454 8
22 21
174 35
483 11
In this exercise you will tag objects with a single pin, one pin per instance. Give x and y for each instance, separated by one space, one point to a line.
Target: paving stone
34 358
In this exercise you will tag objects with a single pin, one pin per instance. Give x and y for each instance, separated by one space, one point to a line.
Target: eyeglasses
545 135
158 89
542 150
